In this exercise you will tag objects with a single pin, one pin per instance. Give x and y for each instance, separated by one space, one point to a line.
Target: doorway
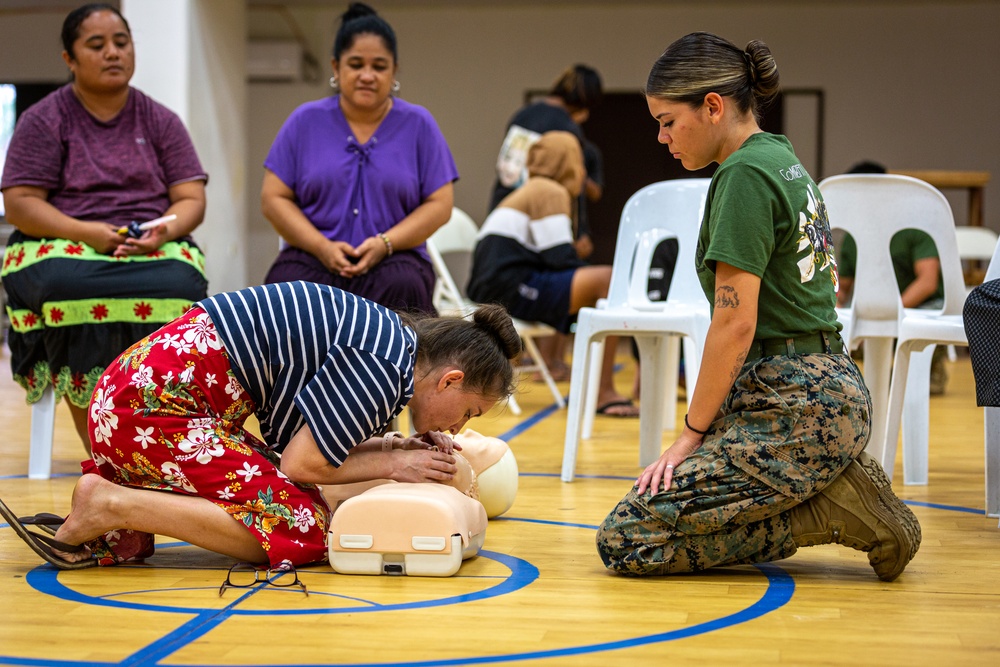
623 130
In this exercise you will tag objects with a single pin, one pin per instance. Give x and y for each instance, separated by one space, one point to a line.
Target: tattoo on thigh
726 297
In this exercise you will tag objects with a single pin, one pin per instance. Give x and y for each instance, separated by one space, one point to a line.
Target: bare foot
90 516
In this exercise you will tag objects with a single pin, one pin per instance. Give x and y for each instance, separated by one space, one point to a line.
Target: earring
335 84
395 86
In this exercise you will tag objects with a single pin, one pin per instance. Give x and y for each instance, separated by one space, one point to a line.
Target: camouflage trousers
789 427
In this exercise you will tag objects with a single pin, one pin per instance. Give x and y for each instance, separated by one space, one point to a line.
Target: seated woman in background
356 183
525 260
84 162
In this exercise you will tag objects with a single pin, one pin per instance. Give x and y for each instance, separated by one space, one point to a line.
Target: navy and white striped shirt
316 355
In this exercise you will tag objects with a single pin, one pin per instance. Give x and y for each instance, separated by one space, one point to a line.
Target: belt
822 342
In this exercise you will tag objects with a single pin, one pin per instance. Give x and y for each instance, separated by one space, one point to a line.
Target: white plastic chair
669 209
919 331
976 243
991 426
872 208
456 239
42 435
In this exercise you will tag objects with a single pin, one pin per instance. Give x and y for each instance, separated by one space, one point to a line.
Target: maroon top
115 171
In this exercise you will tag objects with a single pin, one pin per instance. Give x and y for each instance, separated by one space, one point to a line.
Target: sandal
46 521
44 545
607 409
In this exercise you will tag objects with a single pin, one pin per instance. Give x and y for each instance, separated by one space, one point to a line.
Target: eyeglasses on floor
248 575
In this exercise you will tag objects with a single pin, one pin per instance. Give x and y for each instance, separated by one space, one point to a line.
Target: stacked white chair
873 208
669 209
456 240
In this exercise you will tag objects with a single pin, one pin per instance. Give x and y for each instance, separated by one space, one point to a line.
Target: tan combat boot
859 510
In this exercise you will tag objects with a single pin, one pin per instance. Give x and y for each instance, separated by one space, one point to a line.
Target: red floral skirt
169 415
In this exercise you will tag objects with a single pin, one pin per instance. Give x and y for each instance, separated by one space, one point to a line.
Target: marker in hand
135 229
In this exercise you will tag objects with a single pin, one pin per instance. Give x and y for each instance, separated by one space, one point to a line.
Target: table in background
973 181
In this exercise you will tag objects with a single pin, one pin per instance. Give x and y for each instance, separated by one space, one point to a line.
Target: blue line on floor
939 506
529 422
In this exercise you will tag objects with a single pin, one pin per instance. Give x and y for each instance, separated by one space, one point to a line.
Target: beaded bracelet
688 424
387 242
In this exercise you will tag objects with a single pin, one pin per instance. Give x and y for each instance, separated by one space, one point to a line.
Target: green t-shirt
765 215
906 248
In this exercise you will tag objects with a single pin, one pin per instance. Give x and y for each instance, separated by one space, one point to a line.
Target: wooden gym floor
538 593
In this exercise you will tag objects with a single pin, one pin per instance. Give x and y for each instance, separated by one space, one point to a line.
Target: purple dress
73 309
352 191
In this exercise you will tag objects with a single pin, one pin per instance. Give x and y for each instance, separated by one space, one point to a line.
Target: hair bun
763 71
356 10
495 320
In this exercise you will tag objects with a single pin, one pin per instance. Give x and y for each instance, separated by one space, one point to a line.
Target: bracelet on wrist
387 242
388 438
692 428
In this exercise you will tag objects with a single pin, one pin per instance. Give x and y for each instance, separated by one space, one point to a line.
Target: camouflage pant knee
789 427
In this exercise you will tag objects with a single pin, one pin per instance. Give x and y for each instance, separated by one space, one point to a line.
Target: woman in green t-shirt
772 454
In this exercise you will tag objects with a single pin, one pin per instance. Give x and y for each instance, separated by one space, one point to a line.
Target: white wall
912 84
190 56
219 129
163 64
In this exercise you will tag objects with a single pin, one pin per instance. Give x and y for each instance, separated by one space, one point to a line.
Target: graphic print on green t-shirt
816 238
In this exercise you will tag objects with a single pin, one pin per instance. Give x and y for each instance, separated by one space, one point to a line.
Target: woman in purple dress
357 182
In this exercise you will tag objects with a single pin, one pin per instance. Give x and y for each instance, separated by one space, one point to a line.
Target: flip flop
606 409
45 546
46 521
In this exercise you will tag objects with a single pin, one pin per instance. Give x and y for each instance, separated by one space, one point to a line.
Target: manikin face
440 403
103 59
366 71
686 131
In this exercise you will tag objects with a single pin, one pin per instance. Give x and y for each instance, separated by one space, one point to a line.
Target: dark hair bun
360 19
763 71
495 320
357 10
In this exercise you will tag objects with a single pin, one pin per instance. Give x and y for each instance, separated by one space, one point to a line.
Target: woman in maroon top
83 163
